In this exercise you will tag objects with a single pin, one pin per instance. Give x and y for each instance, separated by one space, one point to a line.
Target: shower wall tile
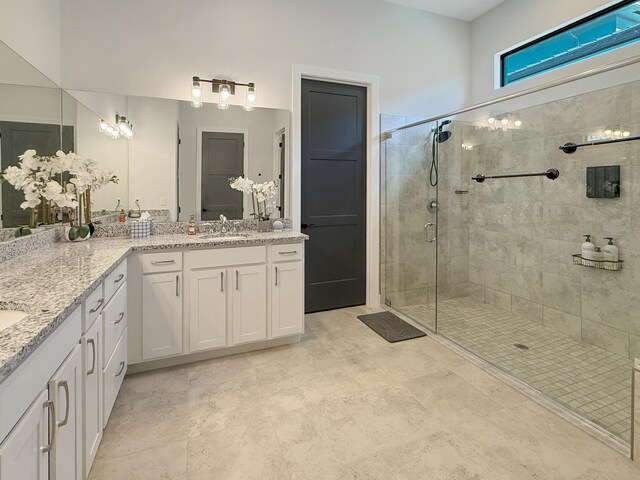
563 116
634 346
527 309
604 336
562 293
498 299
563 322
610 106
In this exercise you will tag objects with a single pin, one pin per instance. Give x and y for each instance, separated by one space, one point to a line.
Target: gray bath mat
391 327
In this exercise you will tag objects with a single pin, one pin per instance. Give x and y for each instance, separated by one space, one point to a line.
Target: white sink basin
10 317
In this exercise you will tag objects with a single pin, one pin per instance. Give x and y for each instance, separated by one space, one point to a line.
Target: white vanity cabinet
40 435
161 304
287 290
92 374
24 453
65 391
234 297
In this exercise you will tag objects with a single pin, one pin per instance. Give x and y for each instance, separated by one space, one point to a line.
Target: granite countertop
49 283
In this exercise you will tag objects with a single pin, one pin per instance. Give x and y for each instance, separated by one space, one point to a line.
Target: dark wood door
222 158
15 139
334 194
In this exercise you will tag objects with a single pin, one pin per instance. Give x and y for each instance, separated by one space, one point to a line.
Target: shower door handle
426 232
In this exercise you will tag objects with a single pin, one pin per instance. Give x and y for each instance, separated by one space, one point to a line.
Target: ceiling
462 9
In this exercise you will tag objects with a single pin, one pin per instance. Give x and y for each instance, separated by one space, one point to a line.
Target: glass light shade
251 98
626 133
608 131
103 126
196 104
491 120
122 124
505 121
225 93
617 132
518 123
196 90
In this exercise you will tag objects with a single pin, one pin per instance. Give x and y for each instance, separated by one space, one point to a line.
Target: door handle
120 317
222 281
65 385
237 280
276 276
177 285
307 225
120 371
52 421
204 210
92 342
119 279
97 307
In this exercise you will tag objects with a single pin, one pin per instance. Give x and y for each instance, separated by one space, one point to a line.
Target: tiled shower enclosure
499 279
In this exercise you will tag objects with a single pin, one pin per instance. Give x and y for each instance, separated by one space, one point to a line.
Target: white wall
30 104
516 21
152 154
422 58
32 29
261 125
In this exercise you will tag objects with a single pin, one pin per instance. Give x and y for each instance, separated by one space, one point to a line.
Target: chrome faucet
225 225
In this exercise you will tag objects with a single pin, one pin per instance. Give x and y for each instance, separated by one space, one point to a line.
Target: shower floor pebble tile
587 379
358 408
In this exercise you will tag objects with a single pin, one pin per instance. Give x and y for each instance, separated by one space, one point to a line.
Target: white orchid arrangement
36 176
260 193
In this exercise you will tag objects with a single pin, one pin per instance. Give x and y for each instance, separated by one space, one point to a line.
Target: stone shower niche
603 182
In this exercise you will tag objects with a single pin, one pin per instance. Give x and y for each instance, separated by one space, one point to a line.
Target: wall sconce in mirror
123 128
225 89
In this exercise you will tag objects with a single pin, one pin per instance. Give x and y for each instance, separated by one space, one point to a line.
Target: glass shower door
409 256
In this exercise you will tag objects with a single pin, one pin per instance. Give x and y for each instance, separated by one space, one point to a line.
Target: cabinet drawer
287 252
114 373
161 262
115 280
219 257
114 318
91 307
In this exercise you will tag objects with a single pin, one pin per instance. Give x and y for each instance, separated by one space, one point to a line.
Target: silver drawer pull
162 262
119 318
292 252
222 281
100 302
119 279
52 425
92 342
121 370
65 385
276 276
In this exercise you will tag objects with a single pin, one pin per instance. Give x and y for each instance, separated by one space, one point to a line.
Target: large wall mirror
180 158
30 118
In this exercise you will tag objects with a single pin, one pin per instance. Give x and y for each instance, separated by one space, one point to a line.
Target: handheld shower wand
439 136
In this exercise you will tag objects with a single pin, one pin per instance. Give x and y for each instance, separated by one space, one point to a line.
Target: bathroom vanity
97 310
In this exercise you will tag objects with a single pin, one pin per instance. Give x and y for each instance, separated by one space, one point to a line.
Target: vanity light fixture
123 128
225 89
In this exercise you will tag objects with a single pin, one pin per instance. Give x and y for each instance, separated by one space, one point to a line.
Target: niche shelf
600 264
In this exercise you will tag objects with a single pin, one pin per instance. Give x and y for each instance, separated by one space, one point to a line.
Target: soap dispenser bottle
588 249
611 254
191 226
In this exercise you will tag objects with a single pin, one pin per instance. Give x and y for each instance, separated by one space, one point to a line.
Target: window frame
557 31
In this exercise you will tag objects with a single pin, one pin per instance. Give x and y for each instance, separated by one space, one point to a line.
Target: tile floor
587 379
342 404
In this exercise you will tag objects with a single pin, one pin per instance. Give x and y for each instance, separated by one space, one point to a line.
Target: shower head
443 136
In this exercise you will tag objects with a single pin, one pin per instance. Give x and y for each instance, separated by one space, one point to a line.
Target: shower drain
521 346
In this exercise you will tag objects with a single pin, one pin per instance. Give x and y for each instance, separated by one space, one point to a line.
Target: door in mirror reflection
222 158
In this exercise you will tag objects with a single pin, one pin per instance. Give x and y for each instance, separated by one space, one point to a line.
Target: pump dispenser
588 250
610 254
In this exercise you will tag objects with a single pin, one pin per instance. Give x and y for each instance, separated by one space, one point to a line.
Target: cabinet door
66 393
208 309
161 315
287 310
249 287
23 454
92 373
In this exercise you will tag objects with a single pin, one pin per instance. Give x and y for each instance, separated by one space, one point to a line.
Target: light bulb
491 120
251 98
103 125
115 134
505 121
617 132
196 104
626 133
122 124
608 131
196 90
518 123
225 93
